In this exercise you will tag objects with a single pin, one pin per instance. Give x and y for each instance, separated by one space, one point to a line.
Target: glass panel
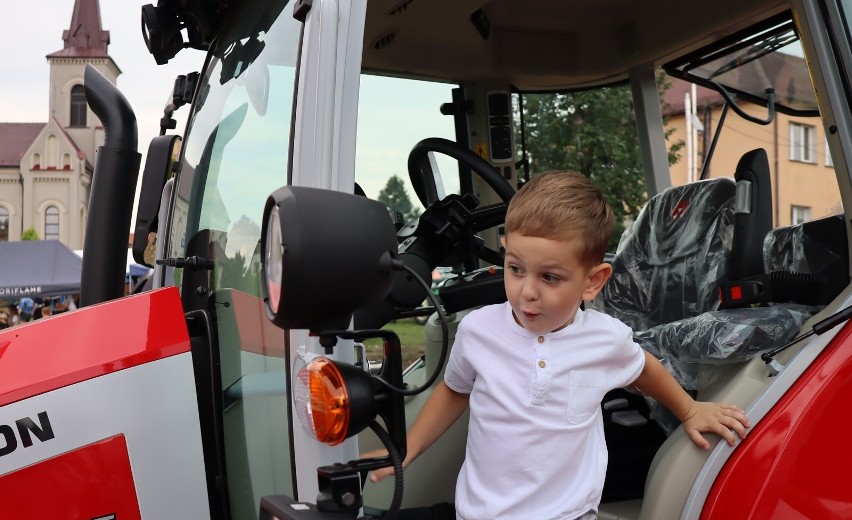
4 224
240 130
78 106
51 223
592 132
382 152
771 59
381 156
800 214
845 10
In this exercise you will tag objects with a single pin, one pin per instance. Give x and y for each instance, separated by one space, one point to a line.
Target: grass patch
410 337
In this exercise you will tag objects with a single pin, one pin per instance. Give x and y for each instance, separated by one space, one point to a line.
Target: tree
394 196
30 234
592 132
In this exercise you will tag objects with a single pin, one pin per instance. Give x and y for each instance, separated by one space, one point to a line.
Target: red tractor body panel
795 462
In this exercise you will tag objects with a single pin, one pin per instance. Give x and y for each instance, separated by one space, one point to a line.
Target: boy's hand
715 418
379 474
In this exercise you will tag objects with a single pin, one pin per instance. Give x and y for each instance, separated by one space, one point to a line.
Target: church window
36 161
78 106
66 161
4 224
51 223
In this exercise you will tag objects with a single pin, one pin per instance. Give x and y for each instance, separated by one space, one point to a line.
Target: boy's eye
515 269
550 278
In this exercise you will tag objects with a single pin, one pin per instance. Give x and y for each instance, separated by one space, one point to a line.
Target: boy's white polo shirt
535 446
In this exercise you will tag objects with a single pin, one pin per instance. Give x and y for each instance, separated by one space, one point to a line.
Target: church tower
85 42
46 168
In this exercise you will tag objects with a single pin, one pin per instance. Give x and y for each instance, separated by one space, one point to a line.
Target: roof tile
15 138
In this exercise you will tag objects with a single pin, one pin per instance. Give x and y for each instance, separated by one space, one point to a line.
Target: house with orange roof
804 185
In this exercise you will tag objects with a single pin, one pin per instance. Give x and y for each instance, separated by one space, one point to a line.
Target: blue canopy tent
134 272
38 268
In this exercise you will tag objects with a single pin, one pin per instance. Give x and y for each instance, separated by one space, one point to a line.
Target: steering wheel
463 211
445 232
423 177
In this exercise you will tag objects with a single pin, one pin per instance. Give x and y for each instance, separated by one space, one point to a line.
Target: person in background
14 318
65 303
37 306
45 311
25 307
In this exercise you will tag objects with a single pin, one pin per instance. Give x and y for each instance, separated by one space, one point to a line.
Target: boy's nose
529 291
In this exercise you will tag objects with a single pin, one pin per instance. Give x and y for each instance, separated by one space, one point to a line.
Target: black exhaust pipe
113 189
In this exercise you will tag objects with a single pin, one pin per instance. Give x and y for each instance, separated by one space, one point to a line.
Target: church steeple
85 43
85 37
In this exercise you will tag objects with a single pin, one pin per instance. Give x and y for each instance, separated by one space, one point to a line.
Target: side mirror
162 154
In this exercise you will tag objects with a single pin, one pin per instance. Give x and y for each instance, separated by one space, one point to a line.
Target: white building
46 168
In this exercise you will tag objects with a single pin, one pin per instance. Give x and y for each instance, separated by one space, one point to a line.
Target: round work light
161 31
325 254
273 261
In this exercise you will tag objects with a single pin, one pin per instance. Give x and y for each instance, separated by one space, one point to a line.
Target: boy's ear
597 278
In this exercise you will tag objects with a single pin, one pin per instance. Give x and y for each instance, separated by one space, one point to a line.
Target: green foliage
592 132
394 196
30 234
236 273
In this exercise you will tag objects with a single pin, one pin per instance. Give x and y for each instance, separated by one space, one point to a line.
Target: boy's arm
656 382
441 410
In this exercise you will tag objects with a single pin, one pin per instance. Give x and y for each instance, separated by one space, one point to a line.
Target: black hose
445 335
396 458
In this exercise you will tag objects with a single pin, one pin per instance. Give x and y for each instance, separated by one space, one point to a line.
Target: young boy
534 370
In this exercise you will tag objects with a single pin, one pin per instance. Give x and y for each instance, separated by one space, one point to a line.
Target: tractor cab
336 154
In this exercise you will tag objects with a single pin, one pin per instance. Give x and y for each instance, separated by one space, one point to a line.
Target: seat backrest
815 247
752 215
809 262
670 260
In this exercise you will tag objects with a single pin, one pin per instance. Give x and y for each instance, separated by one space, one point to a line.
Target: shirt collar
513 325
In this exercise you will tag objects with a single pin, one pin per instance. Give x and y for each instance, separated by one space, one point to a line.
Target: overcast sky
31 30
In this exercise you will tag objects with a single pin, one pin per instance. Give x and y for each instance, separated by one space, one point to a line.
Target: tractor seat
670 261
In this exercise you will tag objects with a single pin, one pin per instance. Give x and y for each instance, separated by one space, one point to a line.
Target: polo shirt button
541 339
542 364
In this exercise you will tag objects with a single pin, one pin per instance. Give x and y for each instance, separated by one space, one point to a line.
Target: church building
46 168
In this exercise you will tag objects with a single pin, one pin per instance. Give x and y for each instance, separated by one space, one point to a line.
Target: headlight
325 254
273 262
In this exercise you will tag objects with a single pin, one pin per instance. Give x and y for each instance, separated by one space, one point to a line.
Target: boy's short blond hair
556 204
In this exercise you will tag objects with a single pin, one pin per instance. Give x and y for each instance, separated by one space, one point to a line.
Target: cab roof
544 44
